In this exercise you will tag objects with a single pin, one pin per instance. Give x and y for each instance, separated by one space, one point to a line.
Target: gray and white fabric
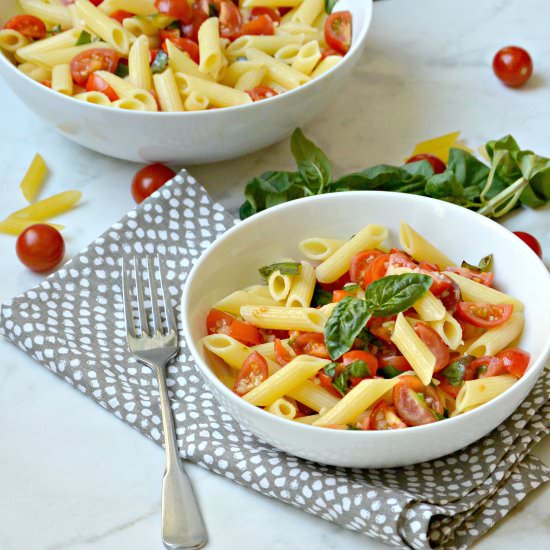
72 323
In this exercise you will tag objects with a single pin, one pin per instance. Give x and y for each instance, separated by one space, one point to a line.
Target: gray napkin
72 323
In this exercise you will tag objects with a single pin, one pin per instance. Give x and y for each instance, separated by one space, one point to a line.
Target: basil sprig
454 373
387 296
329 5
356 369
84 38
286 268
484 265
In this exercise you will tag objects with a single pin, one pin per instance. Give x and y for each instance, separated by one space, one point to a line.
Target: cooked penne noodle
167 91
51 58
217 94
234 301
270 3
139 7
307 58
430 308
284 408
288 54
47 10
261 290
50 207
284 318
196 102
420 249
180 62
35 72
307 419
302 288
140 26
236 70
59 41
96 98
477 392
267 349
318 248
279 285
11 40
313 396
16 226
251 79
33 180
268 44
62 80
326 64
212 58
449 329
308 11
278 71
125 89
496 339
129 104
138 64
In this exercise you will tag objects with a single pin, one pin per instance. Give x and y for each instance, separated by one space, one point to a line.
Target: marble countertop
73 476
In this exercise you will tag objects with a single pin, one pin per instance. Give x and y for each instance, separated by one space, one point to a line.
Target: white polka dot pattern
72 324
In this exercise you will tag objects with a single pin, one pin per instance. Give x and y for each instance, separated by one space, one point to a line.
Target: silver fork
155 347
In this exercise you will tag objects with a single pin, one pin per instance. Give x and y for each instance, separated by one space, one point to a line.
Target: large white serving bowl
191 137
232 263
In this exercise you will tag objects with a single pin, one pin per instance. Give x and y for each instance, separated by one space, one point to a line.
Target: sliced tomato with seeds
185 45
484 315
261 92
360 263
121 15
470 331
96 84
218 322
171 34
231 20
28 25
382 327
385 417
272 13
253 372
483 278
261 25
190 29
448 388
89 61
180 9
396 361
415 403
310 343
338 31
282 354
514 360
376 269
483 367
435 344
339 295
360 355
245 333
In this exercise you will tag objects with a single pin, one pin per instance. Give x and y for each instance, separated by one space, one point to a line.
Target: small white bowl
232 263
190 137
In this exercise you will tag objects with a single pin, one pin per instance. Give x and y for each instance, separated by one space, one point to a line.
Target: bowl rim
356 47
533 372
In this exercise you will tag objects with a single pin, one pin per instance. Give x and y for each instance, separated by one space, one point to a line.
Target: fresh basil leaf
321 297
445 413
454 373
438 416
484 265
382 176
246 210
122 70
84 38
341 383
396 293
419 168
329 5
347 320
389 372
56 29
175 25
286 268
313 165
357 369
446 187
330 369
160 62
482 370
350 287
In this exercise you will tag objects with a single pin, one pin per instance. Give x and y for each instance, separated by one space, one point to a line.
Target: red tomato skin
198 17
477 314
359 355
338 31
339 295
493 367
376 269
96 84
384 417
231 20
530 241
513 66
121 15
336 285
397 361
180 9
360 263
218 322
28 25
245 333
437 164
310 343
262 24
515 361
148 179
272 13
89 61
327 52
282 355
253 372
185 45
261 92
436 345
408 406
484 278
40 247
326 382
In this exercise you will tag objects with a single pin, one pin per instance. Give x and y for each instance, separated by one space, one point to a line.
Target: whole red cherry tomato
513 66
148 179
530 241
40 247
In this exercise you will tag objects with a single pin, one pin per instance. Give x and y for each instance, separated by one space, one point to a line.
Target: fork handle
182 523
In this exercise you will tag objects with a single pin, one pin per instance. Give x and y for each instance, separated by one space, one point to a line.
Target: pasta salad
175 55
363 337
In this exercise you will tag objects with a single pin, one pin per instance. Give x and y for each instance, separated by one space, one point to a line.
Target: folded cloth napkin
72 323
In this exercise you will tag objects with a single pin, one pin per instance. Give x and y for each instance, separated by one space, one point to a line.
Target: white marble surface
74 477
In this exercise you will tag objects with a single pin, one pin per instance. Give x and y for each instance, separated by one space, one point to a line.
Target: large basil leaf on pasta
347 320
395 293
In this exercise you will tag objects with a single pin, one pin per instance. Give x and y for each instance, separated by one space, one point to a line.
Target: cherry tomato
484 315
272 13
253 372
231 20
89 61
69 2
359 355
363 420
171 34
262 24
477 276
47 83
282 354
97 84
310 343
336 285
339 295
440 283
269 334
397 361
484 367
328 52
218 322
382 327
28 25
186 45
198 17
326 382
470 331
338 31
261 92
398 258
180 9
376 269
416 403
448 388
121 15
360 262
40 247
530 241
435 344
384 417
148 179
515 361
437 164
513 66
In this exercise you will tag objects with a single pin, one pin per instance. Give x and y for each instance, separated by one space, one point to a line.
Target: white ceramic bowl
232 262
188 138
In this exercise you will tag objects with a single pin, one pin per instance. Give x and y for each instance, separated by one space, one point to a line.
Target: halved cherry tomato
338 31
530 241
310 343
515 361
360 355
484 315
415 403
28 25
121 15
328 52
273 13
40 247
326 382
448 388
483 367
451 296
470 331
261 92
376 269
97 84
253 372
398 258
363 420
198 17
231 20
171 34
478 276
245 333
148 179
437 164
186 45
180 9
270 334
397 361
89 61
262 24
384 417
513 66
360 262
440 283
218 322
338 284
435 344
282 354
339 295
382 327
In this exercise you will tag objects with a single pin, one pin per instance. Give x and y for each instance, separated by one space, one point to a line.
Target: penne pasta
278 71
34 178
180 62
268 44
284 318
325 65
420 249
16 226
308 11
496 339
62 80
55 13
167 91
318 248
430 308
234 301
284 408
217 94
50 207
138 64
12 40
307 58
96 98
212 58
477 392
302 288
449 329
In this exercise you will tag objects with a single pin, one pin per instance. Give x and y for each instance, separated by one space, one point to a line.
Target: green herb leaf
84 38
160 62
352 427
357 369
482 370
286 268
175 25
347 320
212 10
438 416
446 187
329 5
321 297
350 287
396 293
389 372
56 29
122 70
454 373
484 265
330 369
313 165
